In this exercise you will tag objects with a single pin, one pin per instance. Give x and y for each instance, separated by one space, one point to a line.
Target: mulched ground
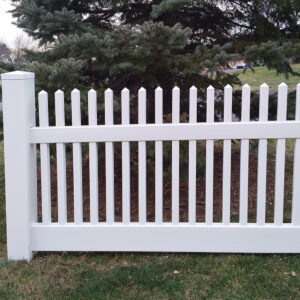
218 163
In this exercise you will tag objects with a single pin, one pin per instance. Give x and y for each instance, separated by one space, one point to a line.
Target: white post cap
17 75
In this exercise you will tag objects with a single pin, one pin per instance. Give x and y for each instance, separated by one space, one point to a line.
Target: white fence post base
20 162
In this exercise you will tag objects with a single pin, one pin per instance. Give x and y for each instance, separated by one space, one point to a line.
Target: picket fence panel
21 134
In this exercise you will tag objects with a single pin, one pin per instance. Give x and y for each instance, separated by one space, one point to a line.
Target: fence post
20 162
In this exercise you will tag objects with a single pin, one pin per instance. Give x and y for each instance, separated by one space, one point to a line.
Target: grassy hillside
262 74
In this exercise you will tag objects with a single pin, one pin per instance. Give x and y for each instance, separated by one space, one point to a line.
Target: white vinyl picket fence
25 235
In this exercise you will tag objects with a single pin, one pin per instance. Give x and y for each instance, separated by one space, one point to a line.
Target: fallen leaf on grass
293 273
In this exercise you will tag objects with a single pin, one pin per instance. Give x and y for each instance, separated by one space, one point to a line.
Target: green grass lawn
262 74
144 275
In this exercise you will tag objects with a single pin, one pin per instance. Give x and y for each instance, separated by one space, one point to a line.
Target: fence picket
244 164
158 159
192 159
262 157
93 159
125 159
209 170
61 160
77 159
109 160
227 158
45 160
142 159
296 172
175 157
280 156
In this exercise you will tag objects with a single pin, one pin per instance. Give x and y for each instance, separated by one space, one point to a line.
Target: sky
8 31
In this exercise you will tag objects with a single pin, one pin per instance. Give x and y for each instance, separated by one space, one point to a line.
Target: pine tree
133 43
154 43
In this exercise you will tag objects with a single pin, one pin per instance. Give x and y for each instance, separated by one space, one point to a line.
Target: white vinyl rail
25 235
